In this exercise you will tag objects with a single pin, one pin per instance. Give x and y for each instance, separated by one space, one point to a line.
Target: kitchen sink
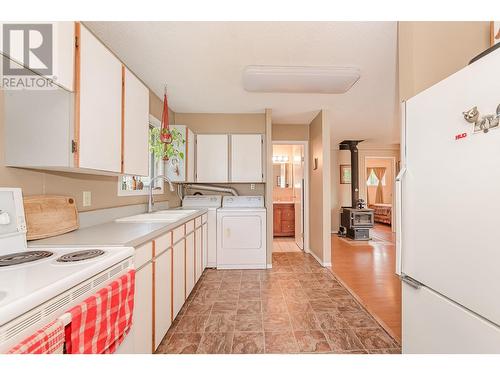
181 213
163 216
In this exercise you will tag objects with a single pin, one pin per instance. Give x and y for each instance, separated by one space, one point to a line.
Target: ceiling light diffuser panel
300 79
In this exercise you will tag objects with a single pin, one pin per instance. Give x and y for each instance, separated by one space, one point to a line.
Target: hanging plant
162 150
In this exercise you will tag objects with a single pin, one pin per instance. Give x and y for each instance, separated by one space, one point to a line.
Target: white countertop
113 234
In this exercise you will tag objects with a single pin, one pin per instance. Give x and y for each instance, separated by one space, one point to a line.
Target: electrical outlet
87 198
252 186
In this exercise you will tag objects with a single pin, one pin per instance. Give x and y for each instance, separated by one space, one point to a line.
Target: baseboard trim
317 259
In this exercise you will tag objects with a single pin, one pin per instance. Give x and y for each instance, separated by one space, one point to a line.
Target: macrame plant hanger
165 134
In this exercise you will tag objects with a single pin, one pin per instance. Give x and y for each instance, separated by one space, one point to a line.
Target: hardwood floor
366 268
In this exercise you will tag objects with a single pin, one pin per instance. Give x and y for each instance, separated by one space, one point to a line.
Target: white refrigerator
448 215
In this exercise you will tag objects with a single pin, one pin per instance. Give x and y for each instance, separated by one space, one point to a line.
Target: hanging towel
100 323
48 340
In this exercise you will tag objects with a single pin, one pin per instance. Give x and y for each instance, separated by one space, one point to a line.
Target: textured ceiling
202 62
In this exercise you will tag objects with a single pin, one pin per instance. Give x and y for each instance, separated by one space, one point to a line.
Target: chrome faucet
151 201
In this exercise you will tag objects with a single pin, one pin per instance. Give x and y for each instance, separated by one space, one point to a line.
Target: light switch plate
87 198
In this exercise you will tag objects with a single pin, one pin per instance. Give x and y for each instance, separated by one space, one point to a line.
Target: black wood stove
355 220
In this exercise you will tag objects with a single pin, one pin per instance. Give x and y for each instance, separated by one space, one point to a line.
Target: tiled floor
285 245
368 269
295 307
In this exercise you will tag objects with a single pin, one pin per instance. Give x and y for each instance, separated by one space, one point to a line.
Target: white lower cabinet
178 278
190 263
204 244
167 270
162 295
143 311
198 267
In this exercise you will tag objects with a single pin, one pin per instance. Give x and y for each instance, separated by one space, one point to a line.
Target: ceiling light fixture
300 79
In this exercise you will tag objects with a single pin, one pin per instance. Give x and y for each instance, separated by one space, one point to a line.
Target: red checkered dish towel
101 322
48 340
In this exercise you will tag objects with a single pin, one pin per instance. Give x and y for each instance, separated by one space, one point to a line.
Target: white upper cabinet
246 158
135 125
60 36
64 56
100 129
212 162
100 93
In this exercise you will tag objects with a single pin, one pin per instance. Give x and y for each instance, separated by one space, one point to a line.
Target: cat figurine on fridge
482 123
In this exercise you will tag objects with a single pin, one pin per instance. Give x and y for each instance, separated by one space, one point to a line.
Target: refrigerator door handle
399 217
411 282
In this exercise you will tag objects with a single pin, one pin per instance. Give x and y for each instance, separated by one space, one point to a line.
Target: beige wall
269 186
290 132
223 122
431 51
103 188
320 189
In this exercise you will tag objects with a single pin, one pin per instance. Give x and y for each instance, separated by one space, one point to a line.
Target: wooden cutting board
50 215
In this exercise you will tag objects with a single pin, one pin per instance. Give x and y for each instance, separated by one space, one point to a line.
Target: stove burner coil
78 256
23 257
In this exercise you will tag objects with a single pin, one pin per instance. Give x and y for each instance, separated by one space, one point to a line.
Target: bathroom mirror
282 175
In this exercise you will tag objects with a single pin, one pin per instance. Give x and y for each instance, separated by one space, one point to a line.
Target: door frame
393 182
306 186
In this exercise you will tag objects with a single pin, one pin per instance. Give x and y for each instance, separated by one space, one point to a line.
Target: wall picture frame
345 174
494 32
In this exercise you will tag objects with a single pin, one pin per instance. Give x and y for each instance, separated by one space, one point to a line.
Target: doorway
289 196
380 175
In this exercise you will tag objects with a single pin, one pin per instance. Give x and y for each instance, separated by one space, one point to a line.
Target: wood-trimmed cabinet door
204 245
178 271
198 248
212 158
135 147
190 263
246 158
143 310
100 105
163 295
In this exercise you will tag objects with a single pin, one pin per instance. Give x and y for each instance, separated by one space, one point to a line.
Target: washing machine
212 203
241 233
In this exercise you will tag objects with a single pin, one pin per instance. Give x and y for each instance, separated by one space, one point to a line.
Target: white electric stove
39 285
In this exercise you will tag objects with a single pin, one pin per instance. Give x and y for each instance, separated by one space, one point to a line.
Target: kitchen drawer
143 254
197 222
287 226
189 226
287 214
178 233
163 242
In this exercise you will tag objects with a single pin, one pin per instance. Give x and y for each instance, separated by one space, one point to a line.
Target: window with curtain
373 180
